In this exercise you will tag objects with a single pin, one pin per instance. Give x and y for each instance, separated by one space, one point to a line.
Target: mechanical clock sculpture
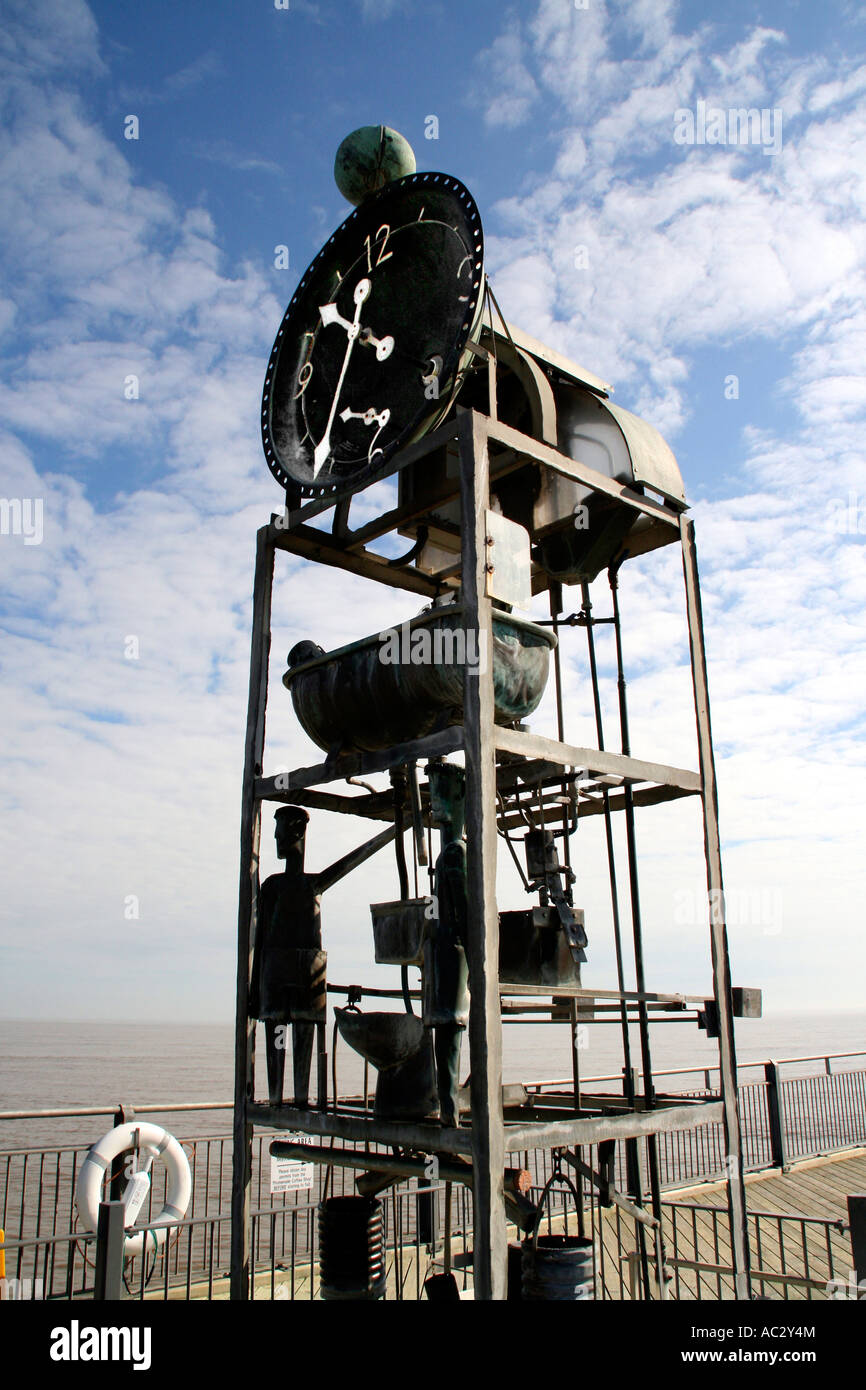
371 347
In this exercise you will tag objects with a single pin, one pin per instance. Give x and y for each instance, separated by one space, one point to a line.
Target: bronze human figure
445 985
288 980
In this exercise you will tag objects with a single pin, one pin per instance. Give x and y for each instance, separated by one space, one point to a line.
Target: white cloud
514 89
123 775
49 36
701 248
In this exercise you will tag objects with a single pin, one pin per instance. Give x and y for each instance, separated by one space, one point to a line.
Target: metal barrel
351 1248
557 1269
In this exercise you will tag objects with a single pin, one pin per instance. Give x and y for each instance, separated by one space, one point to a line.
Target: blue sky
154 258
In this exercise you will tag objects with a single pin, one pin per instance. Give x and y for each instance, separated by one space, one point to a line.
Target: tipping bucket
351 1248
557 1268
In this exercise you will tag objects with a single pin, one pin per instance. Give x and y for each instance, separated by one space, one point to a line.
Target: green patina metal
369 158
407 682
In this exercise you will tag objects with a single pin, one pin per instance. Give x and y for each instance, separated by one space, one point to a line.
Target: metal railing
784 1119
793 1257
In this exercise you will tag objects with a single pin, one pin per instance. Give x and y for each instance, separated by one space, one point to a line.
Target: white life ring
153 1142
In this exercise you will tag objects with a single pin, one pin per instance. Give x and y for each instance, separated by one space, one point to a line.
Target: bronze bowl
386 690
385 1040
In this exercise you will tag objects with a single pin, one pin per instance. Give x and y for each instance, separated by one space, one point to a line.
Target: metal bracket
616 1198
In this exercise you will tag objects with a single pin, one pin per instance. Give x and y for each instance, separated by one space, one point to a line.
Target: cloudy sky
719 283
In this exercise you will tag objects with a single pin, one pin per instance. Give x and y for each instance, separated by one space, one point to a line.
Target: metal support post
718 930
108 1279
857 1222
245 1027
485 1022
774 1116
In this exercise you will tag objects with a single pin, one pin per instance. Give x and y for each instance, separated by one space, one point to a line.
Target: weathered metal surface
485 1022
746 1002
578 553
718 927
575 468
409 1091
557 1269
423 296
108 1275
533 949
555 359
398 931
652 461
426 1137
400 685
595 760
384 1039
509 576
629 1125
445 980
245 1028
370 157
352 1248
546 875
401 1049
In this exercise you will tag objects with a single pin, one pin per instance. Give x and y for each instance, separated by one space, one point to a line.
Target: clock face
371 344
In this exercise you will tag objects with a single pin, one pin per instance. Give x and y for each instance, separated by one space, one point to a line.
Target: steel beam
565 1134
245 1027
485 1024
718 930
428 1138
594 760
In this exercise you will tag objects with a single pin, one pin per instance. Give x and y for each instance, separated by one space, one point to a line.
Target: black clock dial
369 348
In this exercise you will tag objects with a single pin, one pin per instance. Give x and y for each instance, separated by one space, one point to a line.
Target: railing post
123 1115
425 1202
774 1115
108 1282
857 1223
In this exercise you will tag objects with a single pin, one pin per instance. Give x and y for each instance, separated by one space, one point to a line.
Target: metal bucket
351 1248
560 1268
557 1269
398 931
533 949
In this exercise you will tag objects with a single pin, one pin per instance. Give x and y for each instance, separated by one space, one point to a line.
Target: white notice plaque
290 1174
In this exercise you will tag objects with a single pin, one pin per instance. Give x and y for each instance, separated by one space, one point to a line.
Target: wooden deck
802 1244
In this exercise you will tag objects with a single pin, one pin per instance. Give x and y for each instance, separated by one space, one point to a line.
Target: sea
63 1065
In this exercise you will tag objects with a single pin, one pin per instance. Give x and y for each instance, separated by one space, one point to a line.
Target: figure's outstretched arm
328 877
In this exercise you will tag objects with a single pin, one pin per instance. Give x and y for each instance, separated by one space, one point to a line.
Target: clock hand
330 314
369 417
384 346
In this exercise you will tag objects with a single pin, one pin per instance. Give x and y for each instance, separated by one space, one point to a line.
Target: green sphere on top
369 158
